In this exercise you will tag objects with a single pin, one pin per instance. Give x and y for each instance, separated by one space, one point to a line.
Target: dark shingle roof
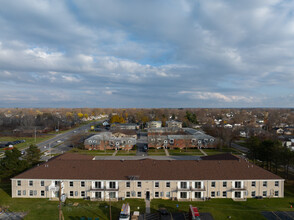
72 167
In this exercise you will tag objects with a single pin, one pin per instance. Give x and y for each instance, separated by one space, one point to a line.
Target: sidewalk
114 153
147 206
166 152
205 154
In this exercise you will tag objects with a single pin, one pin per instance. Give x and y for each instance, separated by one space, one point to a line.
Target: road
141 142
240 148
56 144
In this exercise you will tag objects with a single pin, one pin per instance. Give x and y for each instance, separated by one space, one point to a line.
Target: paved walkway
202 151
114 153
147 206
166 152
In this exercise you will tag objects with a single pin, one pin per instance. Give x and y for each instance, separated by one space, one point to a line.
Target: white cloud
233 52
216 96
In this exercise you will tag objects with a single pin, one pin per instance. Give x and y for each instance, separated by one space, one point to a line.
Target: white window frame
212 185
139 196
138 184
263 193
212 194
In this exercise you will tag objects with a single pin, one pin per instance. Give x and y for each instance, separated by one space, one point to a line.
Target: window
71 193
139 184
98 195
31 192
97 185
197 185
212 184
112 195
253 194
224 184
276 193
128 194
264 193
128 184
167 195
212 194
139 194
112 185
31 183
24 192
156 184
82 193
42 193
71 183
237 184
56 183
156 194
82 183
276 183
183 185
19 192
42 183
253 183
19 182
224 194
76 193
183 195
264 183
217 193
237 194
198 195
167 184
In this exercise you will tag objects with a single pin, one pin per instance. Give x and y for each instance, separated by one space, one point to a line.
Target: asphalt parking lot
278 215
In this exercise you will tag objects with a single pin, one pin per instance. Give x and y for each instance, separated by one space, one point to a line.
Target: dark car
163 211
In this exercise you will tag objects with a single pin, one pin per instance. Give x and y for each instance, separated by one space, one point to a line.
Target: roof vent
122 160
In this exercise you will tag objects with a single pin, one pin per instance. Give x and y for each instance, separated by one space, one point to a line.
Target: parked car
163 211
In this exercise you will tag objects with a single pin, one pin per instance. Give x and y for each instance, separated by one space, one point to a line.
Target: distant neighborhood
135 158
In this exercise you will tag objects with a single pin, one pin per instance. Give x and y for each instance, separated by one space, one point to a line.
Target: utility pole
109 207
61 217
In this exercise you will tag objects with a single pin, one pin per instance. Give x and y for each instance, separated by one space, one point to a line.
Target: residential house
174 124
154 124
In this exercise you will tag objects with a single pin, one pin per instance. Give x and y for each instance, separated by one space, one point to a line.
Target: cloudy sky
155 53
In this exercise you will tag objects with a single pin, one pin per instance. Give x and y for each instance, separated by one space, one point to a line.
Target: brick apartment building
175 137
118 139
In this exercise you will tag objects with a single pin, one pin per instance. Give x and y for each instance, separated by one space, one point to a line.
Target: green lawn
92 152
29 140
220 151
45 209
222 208
126 153
156 152
184 152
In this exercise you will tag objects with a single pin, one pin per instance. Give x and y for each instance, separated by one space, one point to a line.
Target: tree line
14 162
270 154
